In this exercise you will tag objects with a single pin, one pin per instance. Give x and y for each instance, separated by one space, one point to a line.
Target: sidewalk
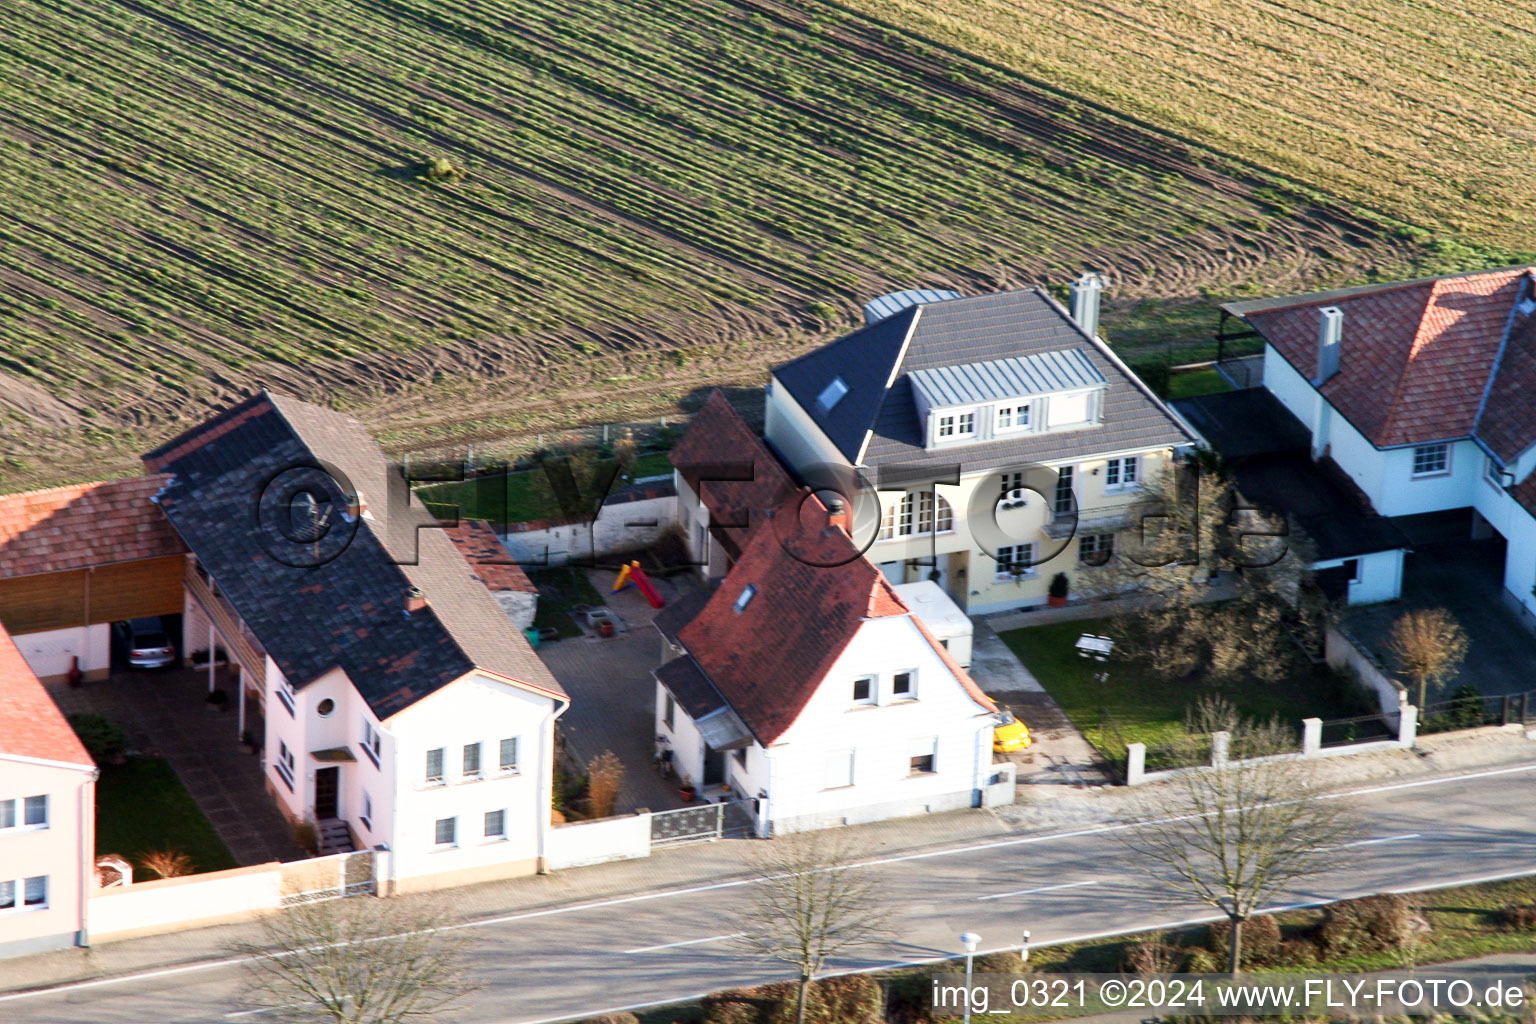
1043 809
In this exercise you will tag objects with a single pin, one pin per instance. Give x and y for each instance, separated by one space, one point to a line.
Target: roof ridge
1527 282
1242 307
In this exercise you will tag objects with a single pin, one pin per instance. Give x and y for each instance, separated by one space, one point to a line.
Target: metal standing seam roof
876 310
1015 377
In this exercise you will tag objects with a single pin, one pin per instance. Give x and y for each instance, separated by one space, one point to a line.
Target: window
495 824
1013 493
36 811
447 831
371 742
435 765
471 759
901 684
920 756
1431 459
7 895
1120 474
838 770
1095 548
33 811
33 892
954 425
918 512
1015 561
7 813
864 690
284 765
1492 474
1063 503
325 707
668 711
832 394
509 754
1351 569
1069 410
37 891
285 694
1013 417
747 594
367 815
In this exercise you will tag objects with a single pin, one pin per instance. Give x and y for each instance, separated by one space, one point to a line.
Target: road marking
1030 892
688 942
688 891
1377 842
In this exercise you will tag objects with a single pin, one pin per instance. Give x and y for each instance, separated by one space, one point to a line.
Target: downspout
87 855
546 792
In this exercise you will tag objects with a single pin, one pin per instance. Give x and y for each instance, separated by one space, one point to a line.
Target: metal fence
730 819
329 878
1341 732
1470 710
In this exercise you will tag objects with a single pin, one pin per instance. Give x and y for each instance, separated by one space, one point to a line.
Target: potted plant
75 675
216 700
685 788
1057 594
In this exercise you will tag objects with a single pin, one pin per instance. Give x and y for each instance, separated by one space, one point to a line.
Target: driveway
164 714
1059 754
613 696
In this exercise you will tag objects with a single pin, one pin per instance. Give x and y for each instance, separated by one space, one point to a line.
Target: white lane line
688 942
949 852
1377 842
1031 892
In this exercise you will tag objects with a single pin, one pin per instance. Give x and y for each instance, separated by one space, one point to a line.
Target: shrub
603 777
102 739
1519 919
1202 961
305 836
1370 924
1154 955
854 999
738 1006
1261 939
166 863
613 1018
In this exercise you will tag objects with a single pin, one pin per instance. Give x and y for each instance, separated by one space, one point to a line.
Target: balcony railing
227 624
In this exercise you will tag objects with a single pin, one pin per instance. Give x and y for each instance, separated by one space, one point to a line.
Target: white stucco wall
881 738
171 904
63 850
1380 577
793 434
580 843
619 527
474 709
683 738
51 652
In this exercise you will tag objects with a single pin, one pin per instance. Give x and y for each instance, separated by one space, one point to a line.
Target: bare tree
1429 645
357 961
810 902
1233 837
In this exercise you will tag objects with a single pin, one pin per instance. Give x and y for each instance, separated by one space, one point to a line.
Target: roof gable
31 724
732 471
341 600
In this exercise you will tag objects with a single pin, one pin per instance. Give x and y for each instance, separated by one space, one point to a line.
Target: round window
325 707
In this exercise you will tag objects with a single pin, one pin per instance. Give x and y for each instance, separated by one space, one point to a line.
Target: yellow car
1010 735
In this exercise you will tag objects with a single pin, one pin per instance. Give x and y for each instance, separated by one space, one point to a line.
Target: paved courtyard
1465 577
165 715
613 696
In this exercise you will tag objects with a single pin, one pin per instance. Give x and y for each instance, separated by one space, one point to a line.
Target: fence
1470 710
704 823
580 843
1312 745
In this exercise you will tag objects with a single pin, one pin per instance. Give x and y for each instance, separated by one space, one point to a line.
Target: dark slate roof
1268 450
732 472
958 332
679 612
690 687
338 600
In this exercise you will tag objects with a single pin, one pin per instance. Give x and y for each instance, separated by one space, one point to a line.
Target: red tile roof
31 725
491 562
732 471
84 524
1416 358
813 592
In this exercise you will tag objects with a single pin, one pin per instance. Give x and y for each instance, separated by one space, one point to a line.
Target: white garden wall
579 843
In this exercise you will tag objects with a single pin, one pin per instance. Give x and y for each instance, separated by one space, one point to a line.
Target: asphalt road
583 959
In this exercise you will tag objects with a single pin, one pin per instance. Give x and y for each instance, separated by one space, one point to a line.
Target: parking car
1010 734
146 643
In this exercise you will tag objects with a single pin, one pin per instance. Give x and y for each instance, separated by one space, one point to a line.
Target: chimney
837 515
415 600
1330 332
1085 302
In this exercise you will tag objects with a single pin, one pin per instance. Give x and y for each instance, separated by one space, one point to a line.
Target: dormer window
955 425
832 394
1013 417
1069 410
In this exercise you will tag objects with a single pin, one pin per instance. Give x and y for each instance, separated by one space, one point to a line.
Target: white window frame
917 514
18 814
485 827
1008 554
1107 549
18 890
842 762
284 765
1443 449
922 747
517 755
285 695
441 778
367 816
453 828
947 424
1020 418
1122 474
479 760
873 697
1064 475
911 693
371 741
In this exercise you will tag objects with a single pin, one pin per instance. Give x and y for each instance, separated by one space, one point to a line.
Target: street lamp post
970 940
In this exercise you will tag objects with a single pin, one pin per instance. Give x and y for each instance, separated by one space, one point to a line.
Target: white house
805 685
1005 440
1423 393
403 710
47 817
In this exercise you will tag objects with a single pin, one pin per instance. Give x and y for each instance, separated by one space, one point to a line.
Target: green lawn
573 588
512 497
141 806
1197 382
1150 709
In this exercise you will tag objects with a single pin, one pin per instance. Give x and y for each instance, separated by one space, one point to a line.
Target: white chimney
1085 302
1330 332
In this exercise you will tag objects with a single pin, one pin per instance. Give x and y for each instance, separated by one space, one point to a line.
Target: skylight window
747 594
832 394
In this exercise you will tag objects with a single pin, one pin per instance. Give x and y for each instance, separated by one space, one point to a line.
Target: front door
327 783
714 766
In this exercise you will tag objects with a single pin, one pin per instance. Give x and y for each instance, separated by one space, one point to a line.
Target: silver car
146 643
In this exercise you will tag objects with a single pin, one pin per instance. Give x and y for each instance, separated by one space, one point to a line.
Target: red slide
645 586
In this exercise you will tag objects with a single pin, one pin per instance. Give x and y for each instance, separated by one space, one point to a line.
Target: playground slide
644 585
